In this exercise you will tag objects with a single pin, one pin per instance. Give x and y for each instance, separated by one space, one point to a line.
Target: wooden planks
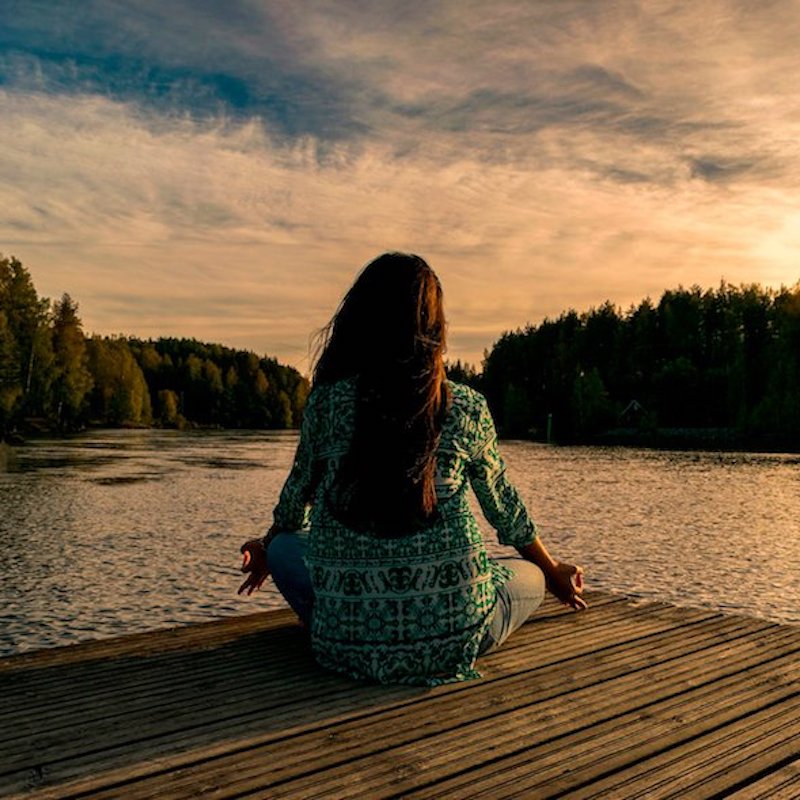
624 700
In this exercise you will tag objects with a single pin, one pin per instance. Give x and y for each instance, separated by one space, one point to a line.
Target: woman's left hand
254 563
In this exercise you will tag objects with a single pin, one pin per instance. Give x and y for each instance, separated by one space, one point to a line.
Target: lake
113 532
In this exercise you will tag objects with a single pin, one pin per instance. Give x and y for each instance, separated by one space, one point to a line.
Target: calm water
123 531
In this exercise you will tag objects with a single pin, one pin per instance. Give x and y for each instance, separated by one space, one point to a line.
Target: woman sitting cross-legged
373 542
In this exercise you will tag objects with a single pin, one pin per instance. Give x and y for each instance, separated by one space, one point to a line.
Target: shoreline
724 440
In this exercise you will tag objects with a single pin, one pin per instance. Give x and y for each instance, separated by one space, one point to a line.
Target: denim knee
285 559
516 601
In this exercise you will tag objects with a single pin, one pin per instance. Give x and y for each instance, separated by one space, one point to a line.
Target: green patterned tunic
413 609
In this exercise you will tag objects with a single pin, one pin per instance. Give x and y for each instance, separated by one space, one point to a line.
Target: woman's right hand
254 562
565 581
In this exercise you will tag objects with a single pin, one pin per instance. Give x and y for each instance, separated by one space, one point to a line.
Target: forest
55 378
699 367
717 367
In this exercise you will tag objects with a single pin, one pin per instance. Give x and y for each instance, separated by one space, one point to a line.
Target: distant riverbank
724 439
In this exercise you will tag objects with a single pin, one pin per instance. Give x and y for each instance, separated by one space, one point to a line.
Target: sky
222 170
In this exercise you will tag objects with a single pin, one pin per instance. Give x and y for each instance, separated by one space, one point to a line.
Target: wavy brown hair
389 334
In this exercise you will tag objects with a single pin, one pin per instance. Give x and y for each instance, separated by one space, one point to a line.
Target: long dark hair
389 335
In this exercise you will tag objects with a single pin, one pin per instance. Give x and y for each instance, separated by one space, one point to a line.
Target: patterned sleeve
499 499
292 511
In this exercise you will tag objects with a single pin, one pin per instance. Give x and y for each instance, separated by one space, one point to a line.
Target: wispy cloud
222 170
199 59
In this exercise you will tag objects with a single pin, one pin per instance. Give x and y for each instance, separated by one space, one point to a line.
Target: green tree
168 408
591 406
516 419
462 373
72 380
120 395
10 378
27 319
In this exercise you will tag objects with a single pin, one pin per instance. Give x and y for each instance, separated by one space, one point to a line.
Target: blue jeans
516 600
285 556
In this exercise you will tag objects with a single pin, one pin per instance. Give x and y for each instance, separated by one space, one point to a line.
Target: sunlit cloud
223 172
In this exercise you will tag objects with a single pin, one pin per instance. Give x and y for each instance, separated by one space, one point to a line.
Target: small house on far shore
632 415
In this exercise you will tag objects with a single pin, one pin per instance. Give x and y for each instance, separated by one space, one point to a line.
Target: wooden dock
624 701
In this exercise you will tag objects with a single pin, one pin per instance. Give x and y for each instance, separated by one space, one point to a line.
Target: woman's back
412 608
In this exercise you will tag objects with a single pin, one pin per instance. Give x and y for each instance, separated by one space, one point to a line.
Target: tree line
724 361
54 377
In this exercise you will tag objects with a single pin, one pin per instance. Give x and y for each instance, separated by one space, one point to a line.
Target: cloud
198 59
622 77
223 171
711 169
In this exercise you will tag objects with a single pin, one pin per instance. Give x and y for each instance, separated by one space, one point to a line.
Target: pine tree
27 320
72 380
10 383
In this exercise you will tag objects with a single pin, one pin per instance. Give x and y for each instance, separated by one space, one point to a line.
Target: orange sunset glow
222 171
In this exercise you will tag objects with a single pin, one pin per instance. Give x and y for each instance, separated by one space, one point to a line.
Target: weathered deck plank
625 700
777 784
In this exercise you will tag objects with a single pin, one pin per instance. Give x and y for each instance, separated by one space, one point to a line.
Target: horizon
476 365
223 173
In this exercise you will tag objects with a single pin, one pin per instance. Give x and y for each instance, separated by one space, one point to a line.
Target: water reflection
131 530
700 529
